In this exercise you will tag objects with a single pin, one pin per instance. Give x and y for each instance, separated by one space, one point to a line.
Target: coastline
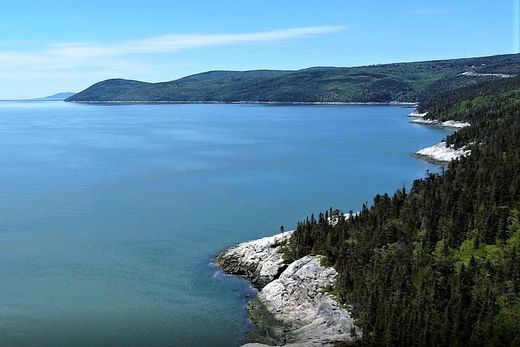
294 305
442 124
441 153
397 103
284 288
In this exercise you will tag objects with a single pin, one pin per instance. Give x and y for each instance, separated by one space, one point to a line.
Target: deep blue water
110 215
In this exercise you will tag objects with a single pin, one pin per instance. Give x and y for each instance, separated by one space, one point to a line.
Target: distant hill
403 82
59 96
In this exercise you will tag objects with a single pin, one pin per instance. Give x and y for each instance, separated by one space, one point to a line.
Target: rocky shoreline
442 153
259 261
445 124
332 103
296 295
295 305
420 118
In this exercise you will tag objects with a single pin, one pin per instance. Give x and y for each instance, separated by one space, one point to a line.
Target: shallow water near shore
110 215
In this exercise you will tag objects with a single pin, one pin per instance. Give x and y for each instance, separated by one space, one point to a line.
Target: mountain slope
58 96
405 82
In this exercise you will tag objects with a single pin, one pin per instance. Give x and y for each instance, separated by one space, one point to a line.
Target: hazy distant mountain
374 83
59 96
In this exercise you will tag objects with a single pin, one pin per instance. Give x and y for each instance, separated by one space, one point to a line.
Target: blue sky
52 46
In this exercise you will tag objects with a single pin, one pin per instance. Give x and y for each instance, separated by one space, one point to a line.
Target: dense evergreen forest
438 264
403 82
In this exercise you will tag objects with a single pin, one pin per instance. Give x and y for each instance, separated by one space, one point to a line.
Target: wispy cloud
74 54
30 68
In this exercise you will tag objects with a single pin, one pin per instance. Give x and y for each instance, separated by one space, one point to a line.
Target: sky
56 46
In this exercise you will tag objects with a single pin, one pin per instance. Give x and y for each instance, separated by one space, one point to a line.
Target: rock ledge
441 152
297 295
259 261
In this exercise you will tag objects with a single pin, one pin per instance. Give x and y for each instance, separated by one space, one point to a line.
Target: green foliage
438 265
514 230
405 82
507 325
484 253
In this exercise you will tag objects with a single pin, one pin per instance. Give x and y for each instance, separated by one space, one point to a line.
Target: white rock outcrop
416 114
478 74
299 298
455 124
445 124
296 295
442 152
259 261
334 220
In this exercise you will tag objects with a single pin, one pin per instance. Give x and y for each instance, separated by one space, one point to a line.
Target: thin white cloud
74 65
176 42
68 55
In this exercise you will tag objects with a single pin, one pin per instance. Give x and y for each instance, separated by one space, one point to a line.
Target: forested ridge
438 264
403 82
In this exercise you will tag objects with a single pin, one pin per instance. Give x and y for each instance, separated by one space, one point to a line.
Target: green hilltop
400 82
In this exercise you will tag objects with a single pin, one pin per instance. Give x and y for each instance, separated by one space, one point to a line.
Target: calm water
110 215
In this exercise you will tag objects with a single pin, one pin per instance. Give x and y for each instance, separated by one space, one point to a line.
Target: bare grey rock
441 152
297 296
259 261
300 298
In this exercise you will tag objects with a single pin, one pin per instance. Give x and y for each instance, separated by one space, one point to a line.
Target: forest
438 263
396 82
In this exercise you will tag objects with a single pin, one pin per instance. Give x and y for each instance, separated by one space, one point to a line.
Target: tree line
438 264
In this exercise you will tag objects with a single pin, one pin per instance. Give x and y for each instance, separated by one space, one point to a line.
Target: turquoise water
110 215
